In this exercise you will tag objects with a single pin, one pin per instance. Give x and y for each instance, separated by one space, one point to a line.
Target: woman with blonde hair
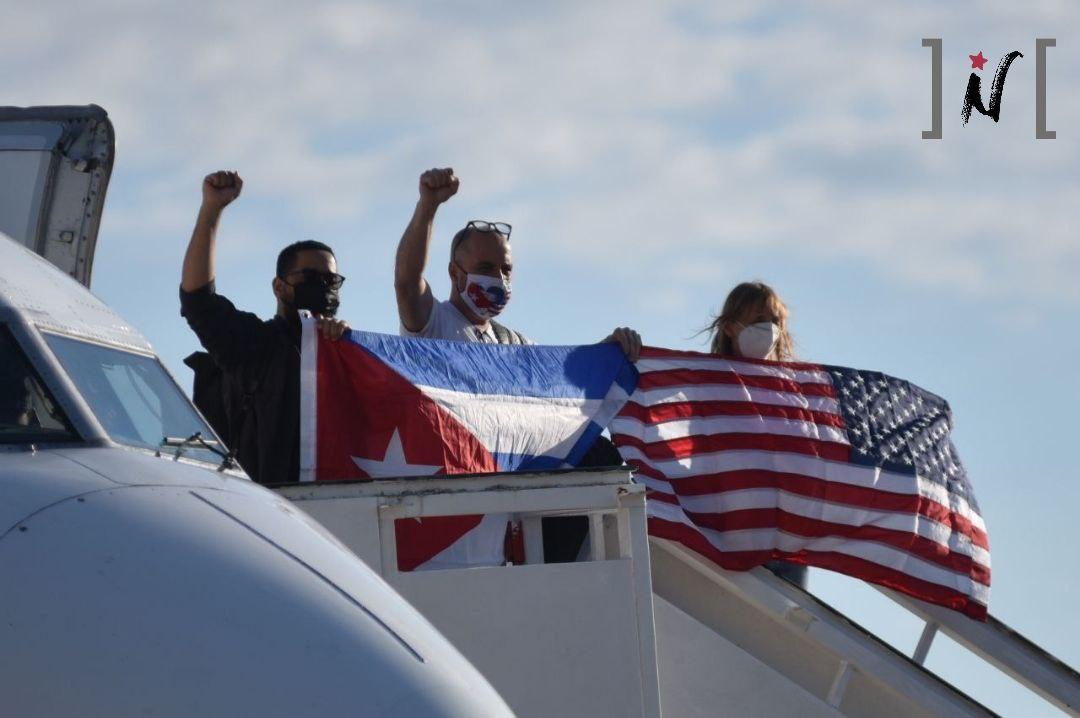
754 325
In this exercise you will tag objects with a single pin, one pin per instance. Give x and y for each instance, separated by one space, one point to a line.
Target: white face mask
757 341
486 296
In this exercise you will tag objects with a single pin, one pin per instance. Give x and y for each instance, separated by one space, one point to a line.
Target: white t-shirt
447 322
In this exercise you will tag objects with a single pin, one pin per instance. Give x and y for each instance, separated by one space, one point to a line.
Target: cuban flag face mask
486 296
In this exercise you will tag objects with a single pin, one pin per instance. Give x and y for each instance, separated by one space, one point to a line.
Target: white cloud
658 129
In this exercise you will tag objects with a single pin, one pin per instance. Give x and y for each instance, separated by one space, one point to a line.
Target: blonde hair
742 300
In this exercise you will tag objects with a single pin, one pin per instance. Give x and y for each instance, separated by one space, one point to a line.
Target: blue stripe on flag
521 462
582 372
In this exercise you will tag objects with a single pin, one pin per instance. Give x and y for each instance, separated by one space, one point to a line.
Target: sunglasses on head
329 280
481 225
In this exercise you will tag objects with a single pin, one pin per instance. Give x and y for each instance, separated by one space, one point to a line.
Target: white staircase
647 627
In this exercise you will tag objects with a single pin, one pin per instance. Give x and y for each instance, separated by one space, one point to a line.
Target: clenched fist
437 186
221 188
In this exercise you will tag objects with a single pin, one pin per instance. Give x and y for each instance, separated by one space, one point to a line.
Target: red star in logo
977 61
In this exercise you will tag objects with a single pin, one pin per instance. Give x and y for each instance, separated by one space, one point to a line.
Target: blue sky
650 156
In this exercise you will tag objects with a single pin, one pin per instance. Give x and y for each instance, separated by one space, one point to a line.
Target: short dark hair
459 238
461 235
287 257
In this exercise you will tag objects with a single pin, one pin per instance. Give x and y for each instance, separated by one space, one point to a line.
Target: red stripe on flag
704 377
658 353
859 568
963 576
659 413
738 519
656 495
420 540
907 541
829 491
369 402
688 446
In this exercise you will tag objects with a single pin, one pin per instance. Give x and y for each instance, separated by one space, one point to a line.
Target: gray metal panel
33 480
176 602
703 674
40 294
52 113
77 145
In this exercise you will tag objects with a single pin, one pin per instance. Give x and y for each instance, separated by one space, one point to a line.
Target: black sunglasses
328 279
481 225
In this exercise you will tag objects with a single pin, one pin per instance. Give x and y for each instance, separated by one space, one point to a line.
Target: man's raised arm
414 297
218 190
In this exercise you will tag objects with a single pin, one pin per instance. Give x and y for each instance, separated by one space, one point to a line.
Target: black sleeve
565 535
601 453
209 392
232 337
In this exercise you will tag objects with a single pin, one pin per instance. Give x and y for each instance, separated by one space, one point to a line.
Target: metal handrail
1001 646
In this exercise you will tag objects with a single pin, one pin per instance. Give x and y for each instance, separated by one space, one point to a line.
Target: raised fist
221 188
438 185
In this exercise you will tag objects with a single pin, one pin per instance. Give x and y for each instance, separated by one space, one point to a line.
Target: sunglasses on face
329 280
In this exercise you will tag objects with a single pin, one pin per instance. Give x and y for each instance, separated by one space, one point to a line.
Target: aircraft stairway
644 627
777 632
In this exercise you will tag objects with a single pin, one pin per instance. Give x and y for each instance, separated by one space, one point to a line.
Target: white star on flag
393 463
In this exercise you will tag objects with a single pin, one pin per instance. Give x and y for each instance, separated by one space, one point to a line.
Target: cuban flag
380 406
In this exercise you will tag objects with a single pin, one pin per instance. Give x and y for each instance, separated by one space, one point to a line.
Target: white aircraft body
140 575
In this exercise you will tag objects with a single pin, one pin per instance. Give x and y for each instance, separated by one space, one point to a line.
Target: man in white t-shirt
480 270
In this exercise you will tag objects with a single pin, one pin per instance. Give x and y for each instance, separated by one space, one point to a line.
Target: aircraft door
55 164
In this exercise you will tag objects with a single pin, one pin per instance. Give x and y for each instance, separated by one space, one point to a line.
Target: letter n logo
973 96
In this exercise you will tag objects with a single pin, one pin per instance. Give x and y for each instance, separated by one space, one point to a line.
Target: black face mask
316 298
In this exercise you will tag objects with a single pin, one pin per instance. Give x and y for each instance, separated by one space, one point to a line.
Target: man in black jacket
249 383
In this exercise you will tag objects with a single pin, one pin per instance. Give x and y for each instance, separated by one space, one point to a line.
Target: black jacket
249 385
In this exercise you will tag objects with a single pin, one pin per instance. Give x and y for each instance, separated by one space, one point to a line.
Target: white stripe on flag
767 539
834 513
660 485
553 425
869 477
733 392
309 362
709 426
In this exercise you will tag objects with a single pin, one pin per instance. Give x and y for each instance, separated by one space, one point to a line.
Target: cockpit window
28 413
135 400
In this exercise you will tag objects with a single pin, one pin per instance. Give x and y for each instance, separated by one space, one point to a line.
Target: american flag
854 471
